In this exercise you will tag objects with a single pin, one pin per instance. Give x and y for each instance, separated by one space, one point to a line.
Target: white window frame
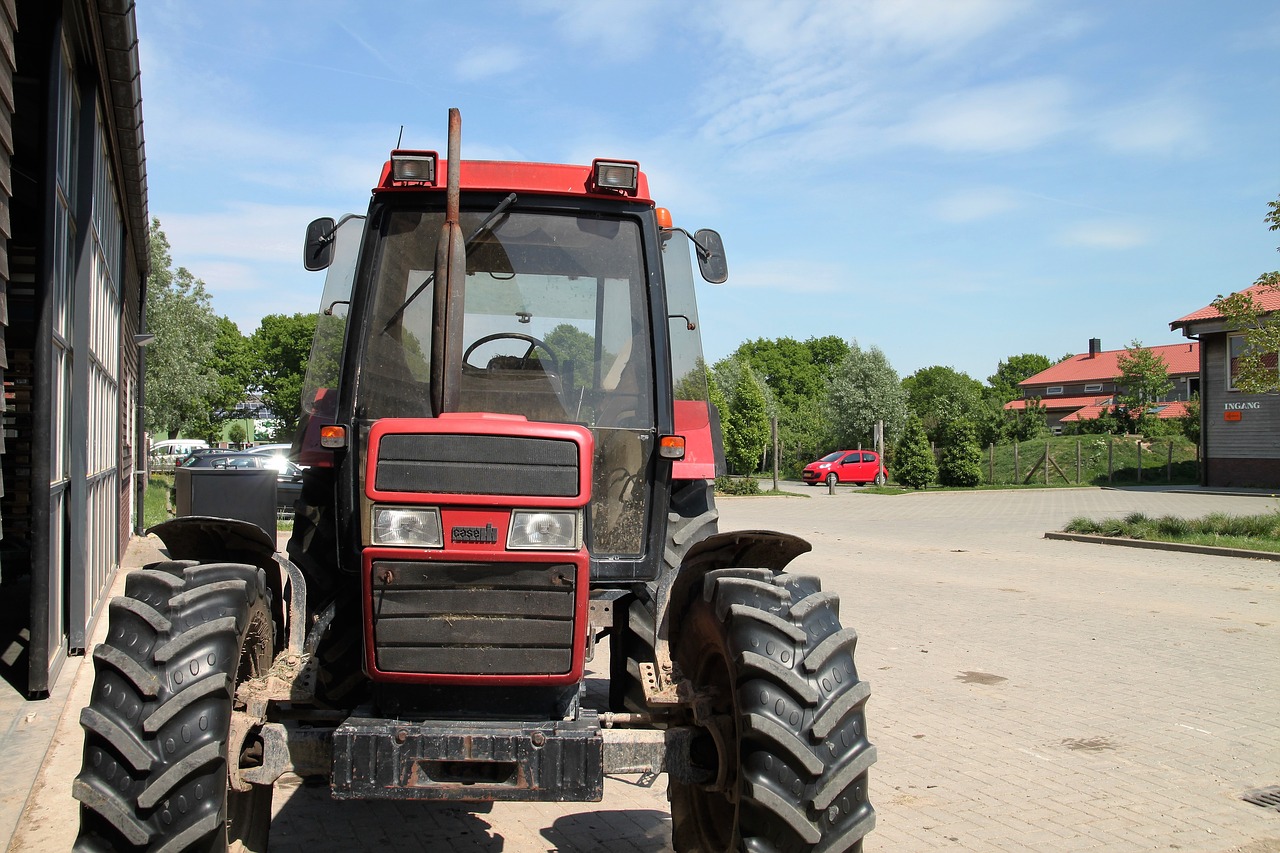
1093 389
1052 390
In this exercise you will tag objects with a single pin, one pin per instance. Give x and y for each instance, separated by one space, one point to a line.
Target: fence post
1077 461
1017 472
1139 460
1111 455
1169 466
1046 462
991 465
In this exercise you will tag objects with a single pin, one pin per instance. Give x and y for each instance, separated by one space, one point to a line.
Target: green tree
576 351
1255 368
281 345
233 366
746 429
864 389
961 463
180 380
795 375
913 462
1144 376
1014 369
938 395
1190 422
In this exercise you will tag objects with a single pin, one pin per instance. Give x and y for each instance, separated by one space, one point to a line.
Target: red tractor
511 461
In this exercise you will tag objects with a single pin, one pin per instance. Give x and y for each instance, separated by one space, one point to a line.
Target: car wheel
832 479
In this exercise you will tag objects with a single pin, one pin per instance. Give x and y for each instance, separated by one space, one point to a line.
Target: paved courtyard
1027 694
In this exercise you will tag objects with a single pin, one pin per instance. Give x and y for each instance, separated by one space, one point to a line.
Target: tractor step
465 761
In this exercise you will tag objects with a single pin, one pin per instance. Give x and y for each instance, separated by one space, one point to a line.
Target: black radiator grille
477 464
473 618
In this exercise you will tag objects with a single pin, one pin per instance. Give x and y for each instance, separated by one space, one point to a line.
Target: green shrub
914 465
962 458
737 486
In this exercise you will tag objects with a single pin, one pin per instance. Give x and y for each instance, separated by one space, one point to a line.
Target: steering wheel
534 344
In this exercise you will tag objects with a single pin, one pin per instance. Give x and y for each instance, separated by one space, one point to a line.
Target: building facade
1085 385
1239 432
73 262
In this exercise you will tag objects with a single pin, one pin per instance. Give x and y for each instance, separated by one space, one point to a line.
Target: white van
166 454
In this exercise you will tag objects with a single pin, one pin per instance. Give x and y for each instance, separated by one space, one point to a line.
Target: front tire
157 728
783 745
832 479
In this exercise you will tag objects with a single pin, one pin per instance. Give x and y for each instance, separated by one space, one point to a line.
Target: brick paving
1027 694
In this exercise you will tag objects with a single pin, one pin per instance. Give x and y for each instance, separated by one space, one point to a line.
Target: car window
868 457
852 457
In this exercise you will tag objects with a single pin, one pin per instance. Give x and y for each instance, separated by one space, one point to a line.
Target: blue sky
953 181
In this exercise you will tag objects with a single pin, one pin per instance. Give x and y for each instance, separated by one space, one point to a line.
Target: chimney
1095 347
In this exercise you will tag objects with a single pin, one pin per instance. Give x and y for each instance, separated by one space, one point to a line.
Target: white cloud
484 63
244 233
977 204
1104 235
620 29
1158 126
993 119
788 275
787 68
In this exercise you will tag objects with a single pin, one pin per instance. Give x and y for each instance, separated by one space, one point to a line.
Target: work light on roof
621 176
413 167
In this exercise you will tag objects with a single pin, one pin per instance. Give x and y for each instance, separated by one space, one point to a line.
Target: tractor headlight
418 167
415 527
547 530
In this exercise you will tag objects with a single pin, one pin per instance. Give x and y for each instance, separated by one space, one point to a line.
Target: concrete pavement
1027 694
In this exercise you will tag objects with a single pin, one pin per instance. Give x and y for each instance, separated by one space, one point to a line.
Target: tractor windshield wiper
484 226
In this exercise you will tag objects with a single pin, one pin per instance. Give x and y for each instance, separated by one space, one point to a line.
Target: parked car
278 452
164 455
846 466
288 475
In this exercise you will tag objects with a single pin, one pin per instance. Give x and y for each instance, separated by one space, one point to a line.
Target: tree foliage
795 375
1014 369
746 428
575 347
961 463
939 395
180 380
864 389
281 345
1255 368
913 462
1144 376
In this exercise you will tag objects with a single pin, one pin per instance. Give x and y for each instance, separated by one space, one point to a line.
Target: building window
1089 389
1237 348
1053 389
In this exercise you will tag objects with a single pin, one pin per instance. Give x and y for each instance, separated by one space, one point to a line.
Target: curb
1164 546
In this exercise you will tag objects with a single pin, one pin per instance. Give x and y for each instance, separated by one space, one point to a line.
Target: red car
846 466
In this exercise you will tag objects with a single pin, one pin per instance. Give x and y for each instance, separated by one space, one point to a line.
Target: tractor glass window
555 327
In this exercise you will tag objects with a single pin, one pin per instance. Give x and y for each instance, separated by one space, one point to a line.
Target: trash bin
247 494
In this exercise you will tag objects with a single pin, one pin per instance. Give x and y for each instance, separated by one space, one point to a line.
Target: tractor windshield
555 328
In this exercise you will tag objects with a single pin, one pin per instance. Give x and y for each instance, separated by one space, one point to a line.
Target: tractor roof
502 176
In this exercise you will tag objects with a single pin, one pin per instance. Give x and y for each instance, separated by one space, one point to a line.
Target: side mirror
318 253
711 260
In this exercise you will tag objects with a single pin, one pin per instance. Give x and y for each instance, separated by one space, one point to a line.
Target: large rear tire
783 745
157 728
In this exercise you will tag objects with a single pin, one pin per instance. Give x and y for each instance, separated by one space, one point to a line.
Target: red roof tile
1054 404
1163 411
1104 367
1264 296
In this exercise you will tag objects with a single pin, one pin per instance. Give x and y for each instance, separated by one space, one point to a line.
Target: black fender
213 540
757 549
208 539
